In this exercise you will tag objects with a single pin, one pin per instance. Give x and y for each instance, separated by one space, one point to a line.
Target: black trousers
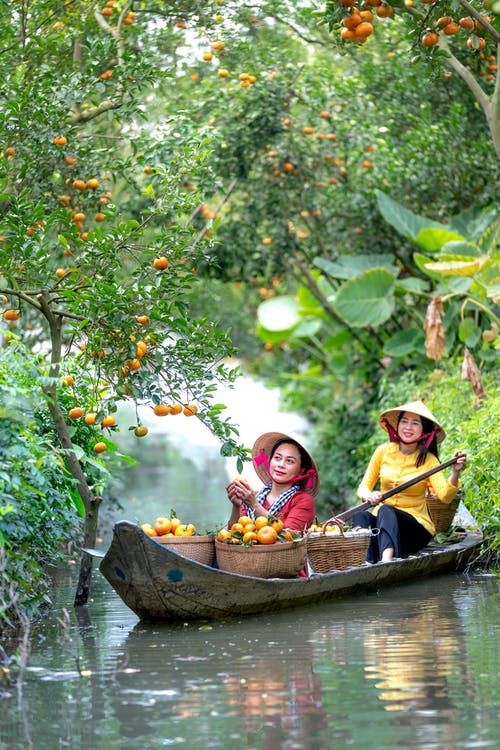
396 529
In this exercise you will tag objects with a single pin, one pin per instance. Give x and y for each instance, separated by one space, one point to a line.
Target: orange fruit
162 525
141 349
70 160
100 217
466 23
288 166
148 529
108 421
143 320
60 140
244 520
10 151
236 528
90 417
190 409
267 535
175 522
430 39
352 21
141 430
100 447
160 263
92 184
308 130
267 241
11 315
67 380
277 524
250 536
134 364
384 11
161 410
76 412
363 29
223 534
175 409
260 522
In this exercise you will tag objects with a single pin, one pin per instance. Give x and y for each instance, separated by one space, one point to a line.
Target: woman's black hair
427 426
305 459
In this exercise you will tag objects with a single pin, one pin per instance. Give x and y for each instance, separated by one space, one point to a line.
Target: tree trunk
91 502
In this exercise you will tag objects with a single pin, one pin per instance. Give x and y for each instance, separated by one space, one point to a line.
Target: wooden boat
159 584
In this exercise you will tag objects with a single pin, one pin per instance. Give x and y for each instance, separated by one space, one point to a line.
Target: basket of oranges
260 548
331 548
182 538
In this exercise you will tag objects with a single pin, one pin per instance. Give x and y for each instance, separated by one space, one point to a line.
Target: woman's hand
233 494
374 498
239 491
458 466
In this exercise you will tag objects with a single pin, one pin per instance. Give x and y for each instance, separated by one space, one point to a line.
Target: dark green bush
37 515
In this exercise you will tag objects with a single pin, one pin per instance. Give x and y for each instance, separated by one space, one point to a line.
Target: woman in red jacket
290 483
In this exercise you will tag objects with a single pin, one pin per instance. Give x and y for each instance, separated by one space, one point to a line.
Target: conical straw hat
264 445
415 407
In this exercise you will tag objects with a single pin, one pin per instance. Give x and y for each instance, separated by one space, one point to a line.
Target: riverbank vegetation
183 181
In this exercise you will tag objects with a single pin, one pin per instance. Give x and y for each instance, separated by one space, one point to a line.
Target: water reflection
415 668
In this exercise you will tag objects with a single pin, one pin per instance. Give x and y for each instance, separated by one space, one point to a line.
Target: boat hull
158 584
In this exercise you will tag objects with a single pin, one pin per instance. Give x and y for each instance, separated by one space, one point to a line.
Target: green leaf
278 313
78 503
458 267
306 328
460 247
350 266
412 284
404 342
338 340
367 300
469 333
272 337
432 240
422 262
402 219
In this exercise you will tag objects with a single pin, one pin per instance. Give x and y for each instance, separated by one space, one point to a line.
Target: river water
413 667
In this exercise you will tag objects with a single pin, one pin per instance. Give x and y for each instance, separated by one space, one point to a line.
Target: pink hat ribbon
309 474
395 438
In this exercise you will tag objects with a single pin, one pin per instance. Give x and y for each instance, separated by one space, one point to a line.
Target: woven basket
199 548
441 513
337 551
278 560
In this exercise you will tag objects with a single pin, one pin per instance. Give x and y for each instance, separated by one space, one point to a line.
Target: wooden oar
385 495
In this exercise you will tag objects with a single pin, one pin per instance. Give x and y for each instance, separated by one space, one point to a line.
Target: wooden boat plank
157 583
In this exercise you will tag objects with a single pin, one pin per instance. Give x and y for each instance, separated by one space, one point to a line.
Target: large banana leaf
367 300
350 266
402 219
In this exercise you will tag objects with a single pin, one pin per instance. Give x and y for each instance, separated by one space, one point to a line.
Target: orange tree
457 35
95 265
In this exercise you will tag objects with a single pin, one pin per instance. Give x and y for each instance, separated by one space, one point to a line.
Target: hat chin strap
395 438
309 474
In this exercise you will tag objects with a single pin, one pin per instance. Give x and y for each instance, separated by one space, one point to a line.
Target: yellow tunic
393 468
